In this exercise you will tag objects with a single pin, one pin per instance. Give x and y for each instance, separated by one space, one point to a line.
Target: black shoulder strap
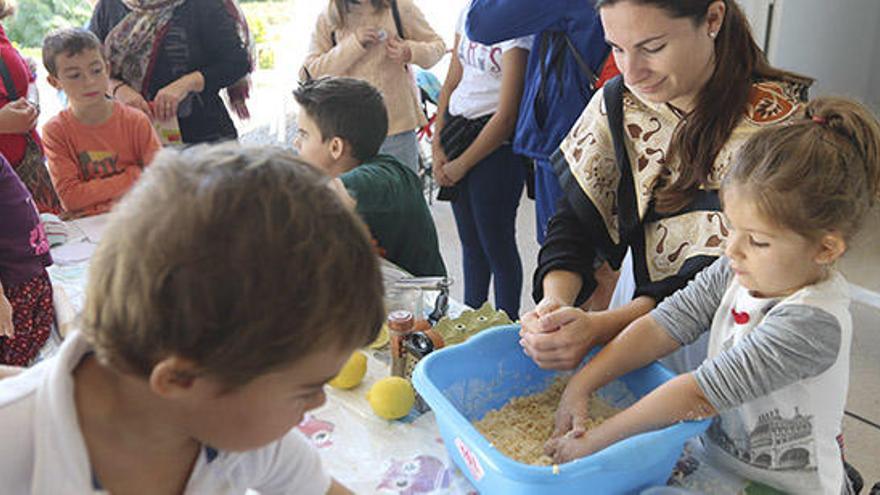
11 92
582 64
613 94
395 12
626 194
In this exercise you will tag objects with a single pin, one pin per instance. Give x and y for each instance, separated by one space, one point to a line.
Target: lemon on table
352 372
391 397
381 339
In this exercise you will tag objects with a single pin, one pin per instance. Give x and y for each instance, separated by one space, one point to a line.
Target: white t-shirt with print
790 433
777 371
480 88
43 451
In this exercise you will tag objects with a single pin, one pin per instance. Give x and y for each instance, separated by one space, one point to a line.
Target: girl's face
662 59
769 260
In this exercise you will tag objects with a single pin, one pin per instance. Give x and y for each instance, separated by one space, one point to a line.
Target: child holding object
777 372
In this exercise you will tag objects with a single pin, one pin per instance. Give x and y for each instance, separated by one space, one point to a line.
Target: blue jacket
543 123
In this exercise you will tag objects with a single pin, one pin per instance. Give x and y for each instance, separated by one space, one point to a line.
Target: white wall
757 12
874 86
836 42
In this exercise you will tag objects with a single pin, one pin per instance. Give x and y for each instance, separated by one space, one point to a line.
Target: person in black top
171 58
694 86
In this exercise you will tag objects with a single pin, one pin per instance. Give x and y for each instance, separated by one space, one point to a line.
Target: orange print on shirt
98 164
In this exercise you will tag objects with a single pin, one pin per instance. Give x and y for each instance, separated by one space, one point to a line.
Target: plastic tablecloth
364 452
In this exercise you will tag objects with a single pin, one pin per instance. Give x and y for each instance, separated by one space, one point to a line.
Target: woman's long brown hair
720 104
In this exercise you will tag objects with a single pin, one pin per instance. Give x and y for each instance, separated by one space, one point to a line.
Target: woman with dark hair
376 40
171 58
642 166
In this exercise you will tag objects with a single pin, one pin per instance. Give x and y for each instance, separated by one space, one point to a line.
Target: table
364 452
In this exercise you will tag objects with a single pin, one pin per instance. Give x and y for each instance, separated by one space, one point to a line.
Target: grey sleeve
688 313
792 343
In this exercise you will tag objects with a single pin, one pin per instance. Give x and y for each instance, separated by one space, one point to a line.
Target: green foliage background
34 18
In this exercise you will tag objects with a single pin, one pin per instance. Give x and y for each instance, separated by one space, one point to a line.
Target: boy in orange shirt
97 147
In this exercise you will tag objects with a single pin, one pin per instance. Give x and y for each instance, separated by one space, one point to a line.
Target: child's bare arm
641 343
679 399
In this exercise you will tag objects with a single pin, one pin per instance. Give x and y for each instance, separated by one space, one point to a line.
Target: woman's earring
713 34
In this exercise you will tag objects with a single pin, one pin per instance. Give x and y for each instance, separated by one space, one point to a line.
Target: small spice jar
400 324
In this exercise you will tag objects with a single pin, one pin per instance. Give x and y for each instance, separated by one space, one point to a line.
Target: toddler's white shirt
42 450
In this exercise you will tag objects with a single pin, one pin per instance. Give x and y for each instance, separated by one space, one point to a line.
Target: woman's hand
127 95
367 37
453 171
18 117
7 329
559 339
438 160
531 321
168 98
398 50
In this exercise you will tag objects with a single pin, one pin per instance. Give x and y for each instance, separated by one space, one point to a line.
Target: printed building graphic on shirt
775 442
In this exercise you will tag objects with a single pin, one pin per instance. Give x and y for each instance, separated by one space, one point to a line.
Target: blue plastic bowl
464 382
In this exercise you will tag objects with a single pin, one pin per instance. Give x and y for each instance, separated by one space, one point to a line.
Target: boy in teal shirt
341 125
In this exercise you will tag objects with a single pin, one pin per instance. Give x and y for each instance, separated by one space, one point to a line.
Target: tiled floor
862 266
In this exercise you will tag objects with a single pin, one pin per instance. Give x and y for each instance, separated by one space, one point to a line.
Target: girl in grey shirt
777 371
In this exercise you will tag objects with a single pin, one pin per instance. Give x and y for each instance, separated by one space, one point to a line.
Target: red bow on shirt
739 318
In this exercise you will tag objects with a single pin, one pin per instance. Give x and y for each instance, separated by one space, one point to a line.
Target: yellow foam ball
352 372
391 397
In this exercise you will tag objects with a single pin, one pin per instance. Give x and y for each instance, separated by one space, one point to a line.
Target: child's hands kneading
573 411
573 445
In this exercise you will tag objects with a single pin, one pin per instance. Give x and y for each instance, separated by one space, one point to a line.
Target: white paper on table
93 227
73 252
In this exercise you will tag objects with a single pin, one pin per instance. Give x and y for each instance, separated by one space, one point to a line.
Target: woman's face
663 59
